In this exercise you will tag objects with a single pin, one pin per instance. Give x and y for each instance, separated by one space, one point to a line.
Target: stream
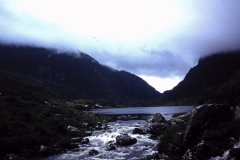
127 120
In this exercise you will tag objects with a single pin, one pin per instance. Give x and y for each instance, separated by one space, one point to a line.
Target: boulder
47 151
138 131
87 133
84 141
110 147
125 140
93 152
158 118
204 118
77 139
74 131
203 150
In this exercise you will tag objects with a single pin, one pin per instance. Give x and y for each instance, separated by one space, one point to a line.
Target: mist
161 39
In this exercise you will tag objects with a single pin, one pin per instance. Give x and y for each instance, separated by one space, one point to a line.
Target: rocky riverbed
206 132
115 140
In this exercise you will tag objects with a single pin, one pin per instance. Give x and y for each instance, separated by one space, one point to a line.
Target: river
127 120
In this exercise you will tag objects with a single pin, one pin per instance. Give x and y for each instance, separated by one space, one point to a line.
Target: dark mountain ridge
81 74
211 71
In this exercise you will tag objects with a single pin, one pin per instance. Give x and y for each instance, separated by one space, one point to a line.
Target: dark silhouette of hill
210 72
79 75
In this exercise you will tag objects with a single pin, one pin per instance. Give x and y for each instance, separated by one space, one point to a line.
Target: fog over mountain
152 39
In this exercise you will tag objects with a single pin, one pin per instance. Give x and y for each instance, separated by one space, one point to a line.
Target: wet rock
93 152
235 152
138 131
176 121
87 133
110 147
99 123
153 137
73 130
85 124
158 118
98 127
84 141
47 151
125 140
75 150
177 114
77 139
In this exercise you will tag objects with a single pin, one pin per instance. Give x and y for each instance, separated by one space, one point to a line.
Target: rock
74 131
77 139
235 152
110 147
99 123
125 140
203 150
177 114
87 133
98 127
203 118
47 151
236 111
75 150
85 124
138 131
157 128
153 137
176 121
84 141
158 118
93 152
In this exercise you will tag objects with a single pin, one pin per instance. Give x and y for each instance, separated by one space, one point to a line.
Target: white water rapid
100 139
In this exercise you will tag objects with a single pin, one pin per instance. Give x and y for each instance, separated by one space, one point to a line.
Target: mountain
78 75
210 72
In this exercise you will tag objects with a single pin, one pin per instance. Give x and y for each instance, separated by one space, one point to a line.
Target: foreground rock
205 118
158 118
125 140
210 131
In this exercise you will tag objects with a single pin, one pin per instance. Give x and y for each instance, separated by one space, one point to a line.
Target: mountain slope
211 71
80 74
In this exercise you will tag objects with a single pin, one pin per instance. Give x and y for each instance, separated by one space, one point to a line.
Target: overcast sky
156 40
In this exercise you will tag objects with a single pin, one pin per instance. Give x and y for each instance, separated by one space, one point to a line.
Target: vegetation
32 115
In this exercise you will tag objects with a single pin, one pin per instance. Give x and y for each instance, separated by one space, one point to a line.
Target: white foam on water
100 140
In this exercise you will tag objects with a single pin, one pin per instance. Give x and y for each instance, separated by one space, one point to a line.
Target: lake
142 113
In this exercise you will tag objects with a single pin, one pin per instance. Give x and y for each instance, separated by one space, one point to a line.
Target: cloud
152 38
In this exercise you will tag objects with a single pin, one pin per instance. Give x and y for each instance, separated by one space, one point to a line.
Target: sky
158 40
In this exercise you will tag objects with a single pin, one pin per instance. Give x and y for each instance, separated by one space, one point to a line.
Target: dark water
127 120
142 113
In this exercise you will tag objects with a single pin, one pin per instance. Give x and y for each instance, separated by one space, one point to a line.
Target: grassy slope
34 113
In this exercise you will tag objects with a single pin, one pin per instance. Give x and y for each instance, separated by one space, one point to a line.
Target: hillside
77 75
210 72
